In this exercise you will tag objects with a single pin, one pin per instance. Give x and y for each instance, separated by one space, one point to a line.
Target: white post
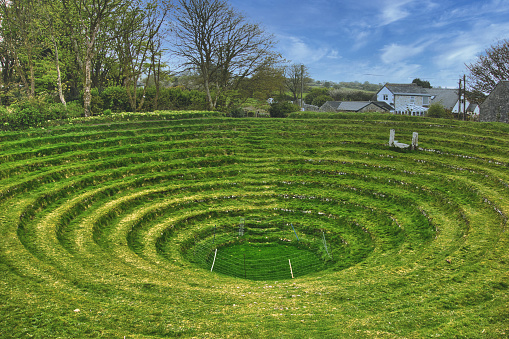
291 271
213 262
391 138
415 140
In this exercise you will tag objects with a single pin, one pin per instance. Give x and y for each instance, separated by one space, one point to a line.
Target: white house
405 98
414 100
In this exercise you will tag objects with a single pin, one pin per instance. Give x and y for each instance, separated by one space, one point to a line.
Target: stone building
496 106
355 106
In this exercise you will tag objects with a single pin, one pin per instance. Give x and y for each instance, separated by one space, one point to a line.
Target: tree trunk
87 94
156 79
59 77
209 97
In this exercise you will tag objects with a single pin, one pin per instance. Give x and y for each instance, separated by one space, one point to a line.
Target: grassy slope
96 218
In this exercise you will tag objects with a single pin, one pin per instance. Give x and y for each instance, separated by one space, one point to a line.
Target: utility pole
301 85
459 100
464 97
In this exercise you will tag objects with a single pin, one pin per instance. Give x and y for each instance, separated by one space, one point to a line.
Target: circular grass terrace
110 228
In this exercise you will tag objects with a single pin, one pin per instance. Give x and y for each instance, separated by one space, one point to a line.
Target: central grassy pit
264 250
267 261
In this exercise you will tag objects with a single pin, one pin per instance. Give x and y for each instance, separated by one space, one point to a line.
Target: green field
109 228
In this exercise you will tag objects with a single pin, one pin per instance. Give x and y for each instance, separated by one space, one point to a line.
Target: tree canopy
422 83
489 69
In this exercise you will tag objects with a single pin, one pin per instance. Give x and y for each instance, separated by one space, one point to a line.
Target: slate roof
407 89
383 105
353 105
446 97
333 104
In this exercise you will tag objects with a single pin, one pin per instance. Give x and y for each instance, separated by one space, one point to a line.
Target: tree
21 33
297 77
220 45
422 83
316 92
137 40
436 110
86 19
490 68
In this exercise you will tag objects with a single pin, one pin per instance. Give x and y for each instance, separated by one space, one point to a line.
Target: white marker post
213 262
291 271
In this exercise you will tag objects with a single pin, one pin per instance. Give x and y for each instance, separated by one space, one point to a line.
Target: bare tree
296 78
490 68
217 42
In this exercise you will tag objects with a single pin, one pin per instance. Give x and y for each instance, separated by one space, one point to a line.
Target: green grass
110 225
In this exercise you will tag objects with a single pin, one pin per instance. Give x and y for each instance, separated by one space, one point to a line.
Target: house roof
356 105
383 105
407 89
446 97
353 105
333 104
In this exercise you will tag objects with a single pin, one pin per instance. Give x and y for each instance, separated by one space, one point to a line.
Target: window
425 101
386 97
412 100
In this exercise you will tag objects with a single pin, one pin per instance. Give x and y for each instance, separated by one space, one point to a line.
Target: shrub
97 102
282 109
75 109
28 113
57 111
236 112
115 98
436 110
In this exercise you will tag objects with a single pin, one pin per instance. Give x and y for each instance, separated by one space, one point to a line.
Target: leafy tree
316 92
422 83
264 83
490 68
86 19
136 41
320 100
21 32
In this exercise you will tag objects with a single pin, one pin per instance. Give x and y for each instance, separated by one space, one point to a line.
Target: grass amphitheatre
196 225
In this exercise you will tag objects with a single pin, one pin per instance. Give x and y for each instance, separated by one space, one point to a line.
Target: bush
282 109
75 109
236 112
28 113
115 99
57 111
436 110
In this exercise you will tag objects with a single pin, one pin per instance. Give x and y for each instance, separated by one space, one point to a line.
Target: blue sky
382 41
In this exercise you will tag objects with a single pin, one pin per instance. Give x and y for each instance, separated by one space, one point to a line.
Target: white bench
395 143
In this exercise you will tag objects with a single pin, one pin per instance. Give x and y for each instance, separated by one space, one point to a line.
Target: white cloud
397 53
298 51
393 11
